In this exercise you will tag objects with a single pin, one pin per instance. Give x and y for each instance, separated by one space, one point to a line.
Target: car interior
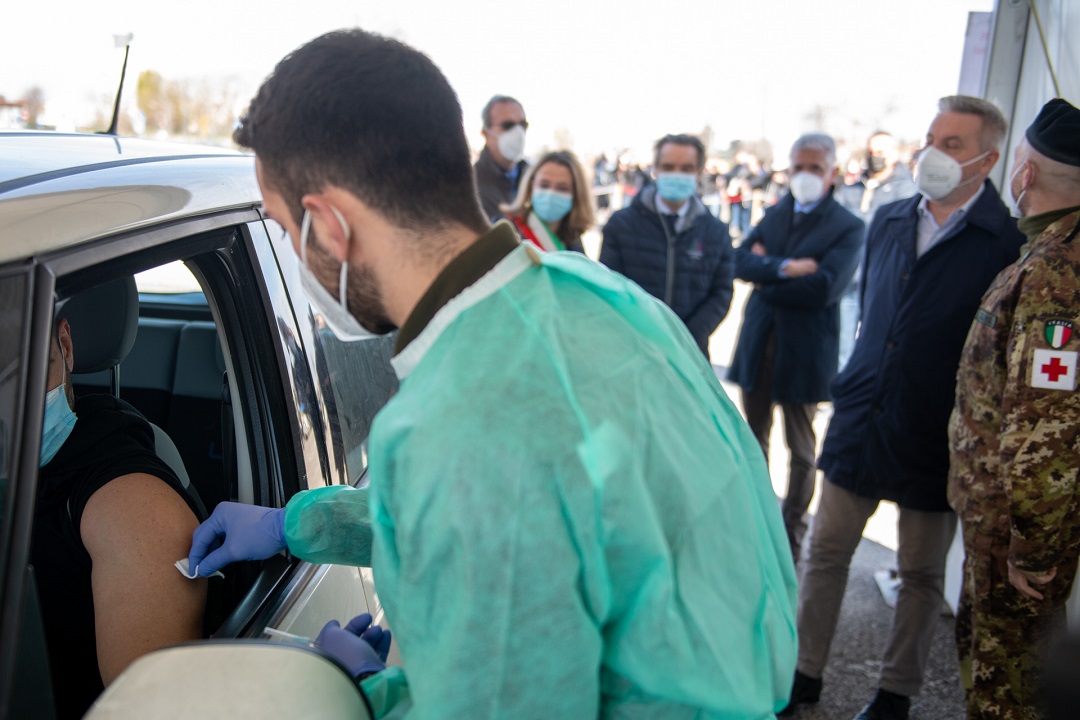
165 355
231 395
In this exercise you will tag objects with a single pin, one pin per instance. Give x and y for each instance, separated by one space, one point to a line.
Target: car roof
58 190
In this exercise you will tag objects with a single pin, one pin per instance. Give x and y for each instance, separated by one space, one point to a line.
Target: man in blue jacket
669 243
929 259
800 258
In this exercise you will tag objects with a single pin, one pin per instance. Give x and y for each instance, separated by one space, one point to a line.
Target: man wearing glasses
500 166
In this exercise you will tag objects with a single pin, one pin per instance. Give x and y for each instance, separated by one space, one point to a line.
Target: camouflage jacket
1014 435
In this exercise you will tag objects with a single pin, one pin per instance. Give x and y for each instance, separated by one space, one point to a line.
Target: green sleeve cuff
388 693
330 525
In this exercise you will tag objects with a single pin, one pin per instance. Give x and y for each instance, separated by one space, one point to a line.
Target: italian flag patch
1058 332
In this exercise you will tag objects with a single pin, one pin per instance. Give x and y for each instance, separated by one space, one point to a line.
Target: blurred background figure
739 193
501 164
633 179
554 205
883 180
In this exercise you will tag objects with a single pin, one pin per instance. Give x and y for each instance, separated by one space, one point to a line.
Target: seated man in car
111 519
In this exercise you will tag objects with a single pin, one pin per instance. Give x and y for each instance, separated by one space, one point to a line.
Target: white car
228 360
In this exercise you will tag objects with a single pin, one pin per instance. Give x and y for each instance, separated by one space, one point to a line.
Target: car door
268 386
352 381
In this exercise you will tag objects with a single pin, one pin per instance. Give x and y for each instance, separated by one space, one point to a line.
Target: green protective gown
568 517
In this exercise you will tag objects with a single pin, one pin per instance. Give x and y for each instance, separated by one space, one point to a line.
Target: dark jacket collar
472 264
486 164
646 202
988 212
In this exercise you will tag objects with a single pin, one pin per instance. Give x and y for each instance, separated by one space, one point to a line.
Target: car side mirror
223 680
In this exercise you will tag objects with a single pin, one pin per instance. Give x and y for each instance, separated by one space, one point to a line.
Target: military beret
1056 132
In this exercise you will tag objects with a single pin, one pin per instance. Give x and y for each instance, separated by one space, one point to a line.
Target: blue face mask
676 187
59 421
551 205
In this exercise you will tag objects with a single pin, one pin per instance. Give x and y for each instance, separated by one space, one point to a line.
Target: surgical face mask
875 164
676 187
551 206
512 143
937 174
1018 199
335 312
59 422
806 187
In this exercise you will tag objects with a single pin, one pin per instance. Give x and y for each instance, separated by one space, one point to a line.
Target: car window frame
21 490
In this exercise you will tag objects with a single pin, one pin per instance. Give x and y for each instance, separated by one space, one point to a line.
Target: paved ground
851 676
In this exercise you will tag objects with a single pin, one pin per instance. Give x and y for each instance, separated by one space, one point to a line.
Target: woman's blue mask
551 206
59 421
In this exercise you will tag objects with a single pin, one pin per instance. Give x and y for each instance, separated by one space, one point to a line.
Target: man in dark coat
929 259
800 258
669 243
500 167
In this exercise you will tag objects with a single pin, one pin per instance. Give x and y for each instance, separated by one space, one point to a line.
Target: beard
362 292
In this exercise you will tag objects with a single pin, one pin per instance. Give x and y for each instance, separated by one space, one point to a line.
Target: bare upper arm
135 528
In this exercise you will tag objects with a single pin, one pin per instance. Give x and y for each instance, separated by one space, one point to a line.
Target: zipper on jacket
669 285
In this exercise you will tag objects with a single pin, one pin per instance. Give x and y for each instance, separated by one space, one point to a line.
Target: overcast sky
613 74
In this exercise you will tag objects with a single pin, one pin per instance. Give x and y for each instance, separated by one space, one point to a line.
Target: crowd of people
566 515
866 285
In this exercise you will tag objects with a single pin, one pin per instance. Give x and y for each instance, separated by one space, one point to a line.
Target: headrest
104 320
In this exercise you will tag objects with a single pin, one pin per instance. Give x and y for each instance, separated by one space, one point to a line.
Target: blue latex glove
236 532
359 646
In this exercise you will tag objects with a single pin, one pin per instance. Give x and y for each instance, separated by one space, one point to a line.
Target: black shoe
804 691
886 706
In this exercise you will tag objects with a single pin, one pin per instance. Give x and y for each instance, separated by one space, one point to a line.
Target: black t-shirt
110 439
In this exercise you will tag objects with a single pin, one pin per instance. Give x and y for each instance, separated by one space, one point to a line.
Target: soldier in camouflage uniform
1015 435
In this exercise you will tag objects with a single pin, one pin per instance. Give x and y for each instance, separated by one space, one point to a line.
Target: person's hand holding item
799 267
359 646
234 532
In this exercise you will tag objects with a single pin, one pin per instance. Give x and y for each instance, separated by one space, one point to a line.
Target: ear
63 335
326 228
990 161
1030 173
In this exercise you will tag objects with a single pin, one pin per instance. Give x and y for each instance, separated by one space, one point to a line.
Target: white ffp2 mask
806 187
512 143
937 174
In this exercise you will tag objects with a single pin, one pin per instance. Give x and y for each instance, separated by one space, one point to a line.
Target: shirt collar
957 215
663 209
809 207
464 270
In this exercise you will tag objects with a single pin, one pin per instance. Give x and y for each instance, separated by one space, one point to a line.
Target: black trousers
799 436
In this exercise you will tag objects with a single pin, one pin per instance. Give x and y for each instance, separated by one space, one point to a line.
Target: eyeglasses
509 124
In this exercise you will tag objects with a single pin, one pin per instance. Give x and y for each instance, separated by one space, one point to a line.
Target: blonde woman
554 206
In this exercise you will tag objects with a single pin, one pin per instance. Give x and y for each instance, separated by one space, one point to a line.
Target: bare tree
150 99
35 106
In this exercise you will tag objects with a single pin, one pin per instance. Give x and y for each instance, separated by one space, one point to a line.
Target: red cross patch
1054 370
